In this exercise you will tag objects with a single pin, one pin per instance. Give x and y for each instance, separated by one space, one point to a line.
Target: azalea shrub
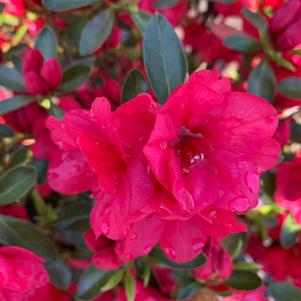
150 150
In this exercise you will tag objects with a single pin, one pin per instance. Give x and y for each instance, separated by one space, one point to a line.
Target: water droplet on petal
105 228
213 214
185 171
239 205
133 236
170 252
128 256
252 181
163 145
242 163
198 246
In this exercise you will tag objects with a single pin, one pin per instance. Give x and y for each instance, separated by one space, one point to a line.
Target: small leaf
42 167
96 32
130 286
57 112
242 43
20 156
247 266
164 58
289 232
188 291
17 232
255 19
283 291
11 79
141 19
164 261
290 87
244 280
262 81
14 103
74 76
6 131
134 84
61 5
113 281
47 43
15 183
165 3
90 282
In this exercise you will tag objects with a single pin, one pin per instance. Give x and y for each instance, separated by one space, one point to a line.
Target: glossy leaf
283 291
255 19
113 281
134 84
242 43
6 131
11 79
289 232
17 232
15 183
130 286
262 81
61 5
96 32
14 103
165 3
290 87
47 43
244 280
164 57
141 19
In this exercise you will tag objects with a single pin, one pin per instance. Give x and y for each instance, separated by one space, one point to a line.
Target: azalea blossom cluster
150 150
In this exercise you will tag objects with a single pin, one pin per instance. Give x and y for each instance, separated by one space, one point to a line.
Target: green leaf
15 51
188 291
290 87
42 167
90 282
234 244
283 291
74 76
244 280
247 266
61 5
47 43
15 183
14 103
113 281
141 19
134 84
164 261
96 32
289 232
57 112
255 19
165 3
17 232
19 156
242 43
262 81
164 58
130 286
11 79
6 131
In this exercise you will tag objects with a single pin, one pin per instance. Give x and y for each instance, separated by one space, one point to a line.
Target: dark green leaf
164 58
255 19
165 3
234 244
242 43
283 291
42 167
15 183
2 6
11 79
20 156
247 266
14 103
74 76
113 281
15 51
6 131
295 131
188 291
164 261
289 232
130 286
17 232
290 87
61 5
90 282
134 84
141 19
244 280
47 43
262 81
57 112
96 32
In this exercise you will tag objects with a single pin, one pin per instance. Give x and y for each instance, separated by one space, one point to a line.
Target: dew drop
170 252
198 246
185 171
252 181
105 228
239 205
163 145
221 193
128 256
242 163
213 214
270 119
134 236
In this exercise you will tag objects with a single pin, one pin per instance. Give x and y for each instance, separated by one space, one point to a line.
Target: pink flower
16 210
285 25
14 7
49 293
21 272
218 265
209 145
40 77
288 191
